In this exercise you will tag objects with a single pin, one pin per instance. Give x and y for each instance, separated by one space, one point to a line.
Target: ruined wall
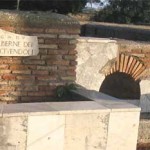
35 78
94 54
142 51
113 30
138 49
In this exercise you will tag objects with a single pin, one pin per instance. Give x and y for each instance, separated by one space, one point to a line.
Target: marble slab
78 107
28 109
25 109
92 56
123 131
12 44
13 133
107 101
46 132
86 131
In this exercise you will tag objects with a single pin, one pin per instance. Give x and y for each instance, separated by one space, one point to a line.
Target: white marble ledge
114 104
51 108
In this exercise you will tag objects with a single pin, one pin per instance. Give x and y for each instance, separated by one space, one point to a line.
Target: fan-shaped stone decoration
128 64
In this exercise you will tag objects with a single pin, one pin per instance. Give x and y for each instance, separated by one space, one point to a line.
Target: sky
95 5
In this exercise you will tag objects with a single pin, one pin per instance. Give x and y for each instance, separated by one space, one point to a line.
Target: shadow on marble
107 101
145 102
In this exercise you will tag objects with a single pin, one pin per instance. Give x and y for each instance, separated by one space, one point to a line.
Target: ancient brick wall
135 38
138 49
35 78
113 30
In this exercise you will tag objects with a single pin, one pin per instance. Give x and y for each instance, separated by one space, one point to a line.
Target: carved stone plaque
12 44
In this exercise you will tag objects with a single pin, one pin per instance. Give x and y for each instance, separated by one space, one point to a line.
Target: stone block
123 130
93 54
13 133
86 131
46 132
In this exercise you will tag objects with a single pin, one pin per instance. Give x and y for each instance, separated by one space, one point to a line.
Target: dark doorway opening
121 85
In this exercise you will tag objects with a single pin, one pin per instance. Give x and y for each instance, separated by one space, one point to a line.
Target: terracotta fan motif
128 64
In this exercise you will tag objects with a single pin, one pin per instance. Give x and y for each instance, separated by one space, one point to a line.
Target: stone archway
121 85
123 77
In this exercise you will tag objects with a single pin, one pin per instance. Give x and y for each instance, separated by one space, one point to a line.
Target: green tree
8 4
60 6
125 11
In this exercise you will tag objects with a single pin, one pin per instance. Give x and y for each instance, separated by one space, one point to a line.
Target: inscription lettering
28 44
16 51
9 43
12 44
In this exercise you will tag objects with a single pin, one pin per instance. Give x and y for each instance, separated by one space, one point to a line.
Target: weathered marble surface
109 102
13 131
123 131
46 132
101 124
93 54
123 120
86 131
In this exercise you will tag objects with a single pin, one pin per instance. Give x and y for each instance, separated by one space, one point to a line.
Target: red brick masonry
35 78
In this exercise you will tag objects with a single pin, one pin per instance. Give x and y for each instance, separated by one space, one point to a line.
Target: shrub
125 11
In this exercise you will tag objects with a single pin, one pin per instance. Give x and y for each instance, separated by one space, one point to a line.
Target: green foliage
65 91
8 4
125 11
60 6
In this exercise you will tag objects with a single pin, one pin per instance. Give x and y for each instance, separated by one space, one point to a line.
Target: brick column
35 78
